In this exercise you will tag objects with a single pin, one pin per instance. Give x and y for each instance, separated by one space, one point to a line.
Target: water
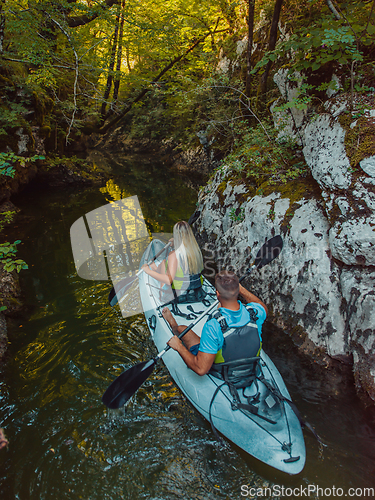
69 346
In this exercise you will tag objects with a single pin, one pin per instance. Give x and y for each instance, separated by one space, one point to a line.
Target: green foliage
301 101
313 48
237 215
258 156
11 115
7 257
6 218
8 160
66 47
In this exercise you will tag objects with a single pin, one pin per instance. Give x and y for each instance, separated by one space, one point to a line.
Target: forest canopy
73 67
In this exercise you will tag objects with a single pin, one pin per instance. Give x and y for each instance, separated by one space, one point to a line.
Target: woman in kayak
181 270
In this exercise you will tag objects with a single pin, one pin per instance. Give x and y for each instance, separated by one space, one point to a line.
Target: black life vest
237 360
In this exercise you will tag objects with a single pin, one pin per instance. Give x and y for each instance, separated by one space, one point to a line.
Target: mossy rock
359 140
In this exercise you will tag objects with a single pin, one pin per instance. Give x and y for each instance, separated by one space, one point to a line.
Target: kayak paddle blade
194 217
127 384
269 251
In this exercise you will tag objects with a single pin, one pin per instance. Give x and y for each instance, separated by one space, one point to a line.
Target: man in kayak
200 354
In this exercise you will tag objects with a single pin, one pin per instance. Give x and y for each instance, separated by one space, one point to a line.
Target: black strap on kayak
177 312
210 414
275 392
236 401
237 405
190 308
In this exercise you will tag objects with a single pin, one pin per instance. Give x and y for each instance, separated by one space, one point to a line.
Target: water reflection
65 444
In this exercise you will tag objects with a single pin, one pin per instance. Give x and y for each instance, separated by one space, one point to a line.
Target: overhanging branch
74 22
144 91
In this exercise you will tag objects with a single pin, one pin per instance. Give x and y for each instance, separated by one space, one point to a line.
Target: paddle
127 384
124 284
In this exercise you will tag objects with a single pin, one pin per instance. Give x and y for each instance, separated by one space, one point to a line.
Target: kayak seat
191 295
240 373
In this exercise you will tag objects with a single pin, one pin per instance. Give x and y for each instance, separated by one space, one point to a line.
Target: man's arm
250 297
200 364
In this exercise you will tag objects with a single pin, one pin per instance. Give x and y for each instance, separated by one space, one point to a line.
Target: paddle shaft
154 258
212 306
130 281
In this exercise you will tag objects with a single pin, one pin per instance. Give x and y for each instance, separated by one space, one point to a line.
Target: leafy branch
7 253
8 160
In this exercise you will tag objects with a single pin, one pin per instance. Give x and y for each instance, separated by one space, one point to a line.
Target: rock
300 286
353 241
324 152
223 66
290 120
22 141
321 287
368 166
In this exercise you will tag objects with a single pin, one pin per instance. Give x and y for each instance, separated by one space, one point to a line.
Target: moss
360 140
222 186
45 131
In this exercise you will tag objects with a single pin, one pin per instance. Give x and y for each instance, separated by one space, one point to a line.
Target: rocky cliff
321 288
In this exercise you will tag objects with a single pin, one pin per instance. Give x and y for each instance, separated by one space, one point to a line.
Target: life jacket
184 289
237 360
237 364
182 282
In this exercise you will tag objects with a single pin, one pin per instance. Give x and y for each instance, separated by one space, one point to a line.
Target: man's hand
175 343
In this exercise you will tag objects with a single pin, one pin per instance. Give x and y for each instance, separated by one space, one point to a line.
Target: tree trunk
110 70
271 45
250 23
116 85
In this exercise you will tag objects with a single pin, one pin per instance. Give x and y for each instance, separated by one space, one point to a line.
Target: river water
69 345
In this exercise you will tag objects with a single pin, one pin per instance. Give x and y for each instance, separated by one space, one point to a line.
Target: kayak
273 433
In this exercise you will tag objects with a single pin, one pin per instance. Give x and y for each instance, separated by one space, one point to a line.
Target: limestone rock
324 152
368 166
321 287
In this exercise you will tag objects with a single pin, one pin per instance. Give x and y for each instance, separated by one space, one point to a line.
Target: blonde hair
187 250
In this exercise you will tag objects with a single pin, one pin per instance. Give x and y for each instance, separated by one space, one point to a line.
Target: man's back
212 338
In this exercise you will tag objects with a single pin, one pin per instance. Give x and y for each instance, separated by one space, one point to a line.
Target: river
69 345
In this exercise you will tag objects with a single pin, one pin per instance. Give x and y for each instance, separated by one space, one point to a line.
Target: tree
271 45
112 58
250 24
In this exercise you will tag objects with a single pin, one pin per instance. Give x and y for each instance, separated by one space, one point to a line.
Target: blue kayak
273 433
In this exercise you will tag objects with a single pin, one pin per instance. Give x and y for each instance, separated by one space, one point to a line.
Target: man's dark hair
227 284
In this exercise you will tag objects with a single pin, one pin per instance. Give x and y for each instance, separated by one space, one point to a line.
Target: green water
63 443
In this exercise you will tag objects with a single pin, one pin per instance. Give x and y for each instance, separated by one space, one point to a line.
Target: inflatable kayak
273 432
